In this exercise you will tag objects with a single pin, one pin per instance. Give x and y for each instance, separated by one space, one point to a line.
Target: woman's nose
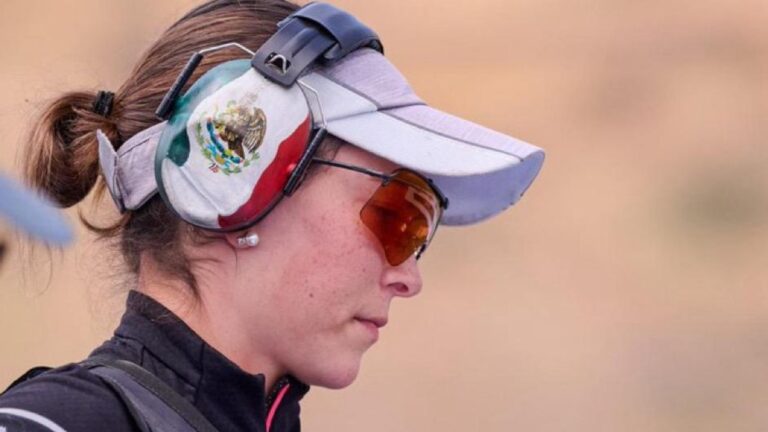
404 279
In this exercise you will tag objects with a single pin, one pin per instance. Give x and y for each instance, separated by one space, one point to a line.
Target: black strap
160 406
316 32
139 419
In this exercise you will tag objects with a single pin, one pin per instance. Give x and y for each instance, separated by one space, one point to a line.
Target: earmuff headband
318 31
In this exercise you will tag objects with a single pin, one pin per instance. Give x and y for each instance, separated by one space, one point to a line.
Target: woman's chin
333 377
338 384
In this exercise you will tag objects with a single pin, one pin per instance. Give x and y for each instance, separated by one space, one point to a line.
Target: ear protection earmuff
243 135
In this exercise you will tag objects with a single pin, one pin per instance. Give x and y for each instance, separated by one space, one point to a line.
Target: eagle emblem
230 138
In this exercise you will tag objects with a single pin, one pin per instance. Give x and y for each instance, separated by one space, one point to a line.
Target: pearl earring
248 241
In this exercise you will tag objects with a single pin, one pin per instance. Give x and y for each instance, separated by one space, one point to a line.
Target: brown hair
64 159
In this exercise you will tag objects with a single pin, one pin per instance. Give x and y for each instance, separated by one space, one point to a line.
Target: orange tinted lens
402 214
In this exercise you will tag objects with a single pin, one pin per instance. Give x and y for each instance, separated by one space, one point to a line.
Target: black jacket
150 335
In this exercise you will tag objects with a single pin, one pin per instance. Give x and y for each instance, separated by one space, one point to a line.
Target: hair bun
63 159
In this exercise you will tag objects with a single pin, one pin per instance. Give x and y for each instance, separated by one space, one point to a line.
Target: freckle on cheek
311 295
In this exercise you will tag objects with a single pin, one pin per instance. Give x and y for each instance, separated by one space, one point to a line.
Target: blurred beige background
627 292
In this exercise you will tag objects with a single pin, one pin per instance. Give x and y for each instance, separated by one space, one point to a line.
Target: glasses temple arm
372 173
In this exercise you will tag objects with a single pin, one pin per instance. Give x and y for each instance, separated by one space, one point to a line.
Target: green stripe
174 142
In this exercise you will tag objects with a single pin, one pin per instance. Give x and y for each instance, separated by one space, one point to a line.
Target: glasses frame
386 179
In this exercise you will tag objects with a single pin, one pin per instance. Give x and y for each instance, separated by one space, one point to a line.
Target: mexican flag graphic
230 146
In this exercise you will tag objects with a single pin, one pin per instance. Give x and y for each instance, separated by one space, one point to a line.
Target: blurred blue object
32 213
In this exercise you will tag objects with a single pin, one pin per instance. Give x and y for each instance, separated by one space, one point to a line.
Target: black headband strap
318 31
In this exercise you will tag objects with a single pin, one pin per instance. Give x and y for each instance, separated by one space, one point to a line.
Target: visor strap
129 171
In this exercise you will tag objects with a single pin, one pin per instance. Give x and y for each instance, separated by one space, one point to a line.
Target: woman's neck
209 315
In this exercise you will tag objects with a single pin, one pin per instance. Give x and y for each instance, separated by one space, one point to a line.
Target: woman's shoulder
68 398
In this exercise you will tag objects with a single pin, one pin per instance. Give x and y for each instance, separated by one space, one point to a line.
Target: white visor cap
367 102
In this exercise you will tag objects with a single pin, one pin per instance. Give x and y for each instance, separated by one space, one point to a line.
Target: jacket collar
229 397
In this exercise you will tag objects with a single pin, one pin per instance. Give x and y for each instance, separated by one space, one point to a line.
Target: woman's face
315 270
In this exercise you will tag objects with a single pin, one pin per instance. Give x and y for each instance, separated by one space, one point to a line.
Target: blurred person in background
30 214
270 216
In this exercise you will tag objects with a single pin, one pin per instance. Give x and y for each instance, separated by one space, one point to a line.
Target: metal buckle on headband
318 31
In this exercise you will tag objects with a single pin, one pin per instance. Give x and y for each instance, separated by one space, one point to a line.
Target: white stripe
37 418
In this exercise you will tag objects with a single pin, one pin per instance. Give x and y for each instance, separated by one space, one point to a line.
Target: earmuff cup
230 146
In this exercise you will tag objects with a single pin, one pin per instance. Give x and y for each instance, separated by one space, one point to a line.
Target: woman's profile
277 180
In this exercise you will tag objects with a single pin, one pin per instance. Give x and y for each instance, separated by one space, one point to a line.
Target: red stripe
275 404
270 184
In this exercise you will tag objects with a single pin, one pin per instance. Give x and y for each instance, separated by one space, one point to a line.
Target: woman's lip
371 327
379 321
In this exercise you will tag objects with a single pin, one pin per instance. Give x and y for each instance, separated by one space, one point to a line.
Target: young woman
270 220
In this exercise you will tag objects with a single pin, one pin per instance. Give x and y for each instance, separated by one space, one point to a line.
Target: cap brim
367 102
32 214
481 171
